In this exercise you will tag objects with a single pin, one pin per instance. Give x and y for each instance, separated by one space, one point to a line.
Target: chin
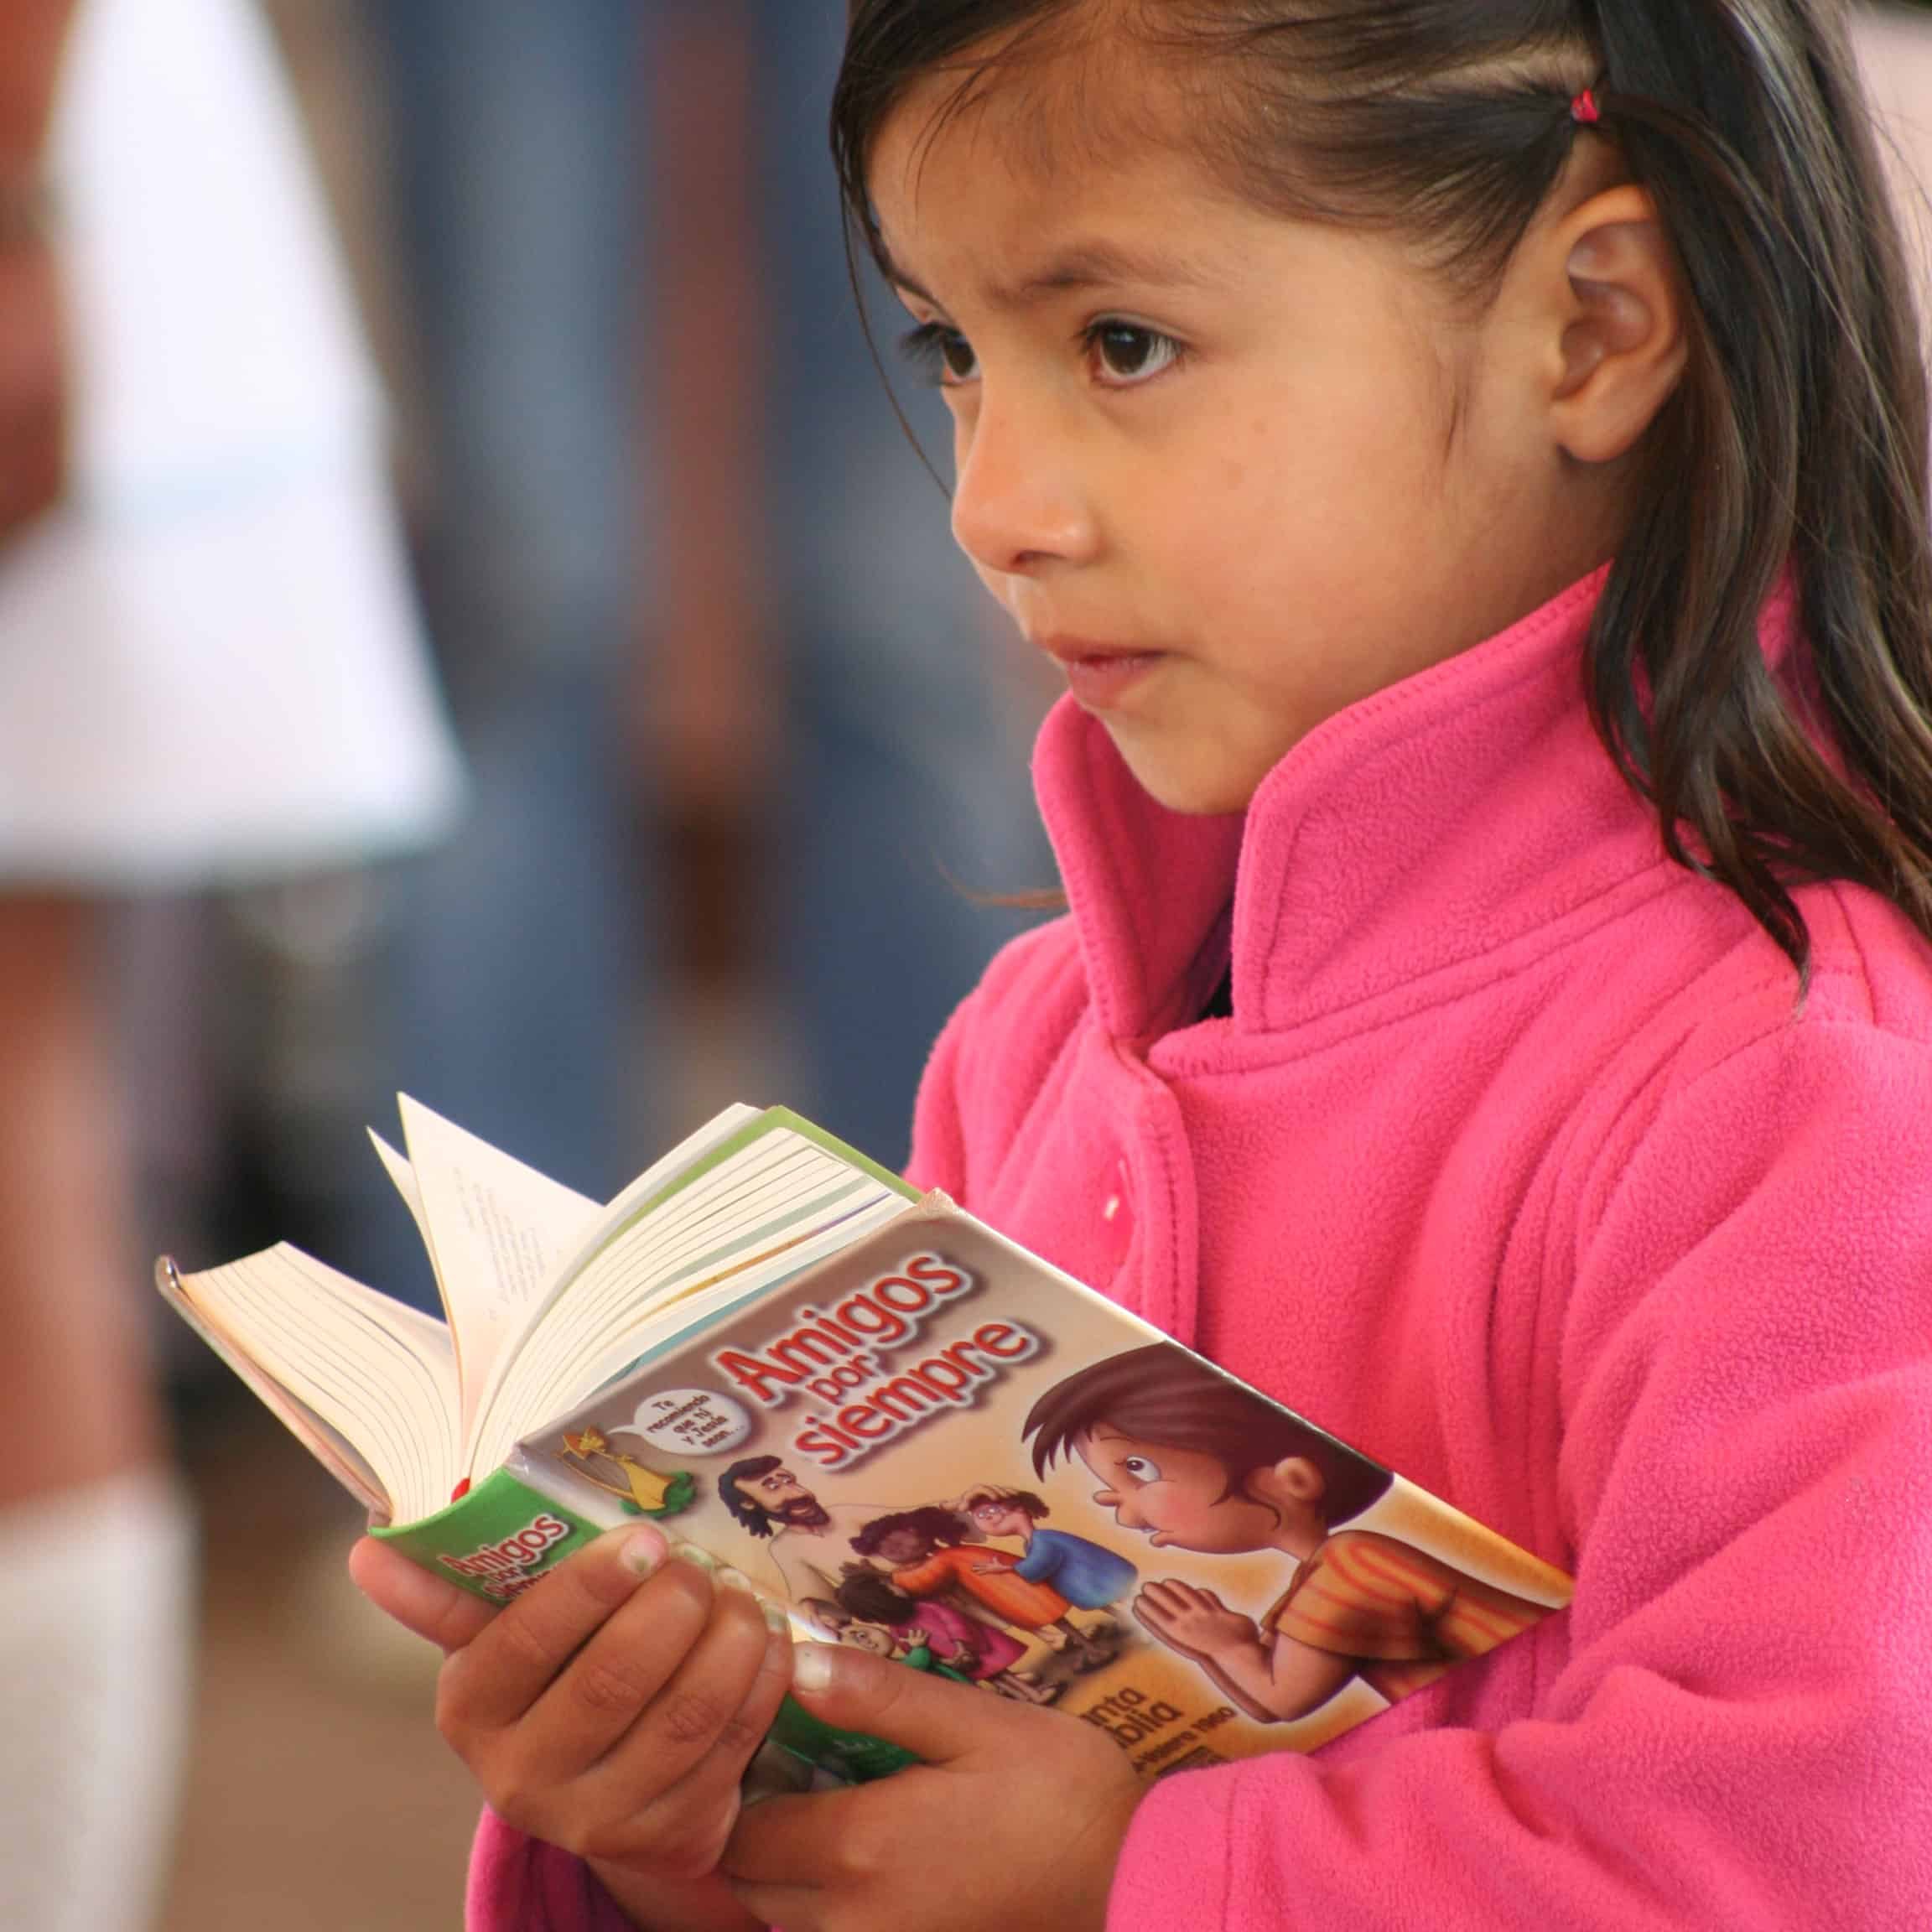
1192 795
1195 783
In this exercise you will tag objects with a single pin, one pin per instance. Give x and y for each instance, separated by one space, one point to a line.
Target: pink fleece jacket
1517 1167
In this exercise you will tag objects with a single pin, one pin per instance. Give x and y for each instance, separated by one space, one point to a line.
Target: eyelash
925 348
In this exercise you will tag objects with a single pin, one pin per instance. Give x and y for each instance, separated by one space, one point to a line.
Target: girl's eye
942 355
1125 353
1141 1469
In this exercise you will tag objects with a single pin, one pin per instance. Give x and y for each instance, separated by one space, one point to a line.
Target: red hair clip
1584 110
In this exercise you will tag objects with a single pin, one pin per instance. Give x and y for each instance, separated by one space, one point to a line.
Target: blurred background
472 621
492 637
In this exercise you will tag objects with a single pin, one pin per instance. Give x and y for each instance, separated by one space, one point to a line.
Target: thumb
932 1717
448 1615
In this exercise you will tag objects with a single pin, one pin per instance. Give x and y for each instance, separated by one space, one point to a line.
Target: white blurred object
1894 49
211 666
93 1679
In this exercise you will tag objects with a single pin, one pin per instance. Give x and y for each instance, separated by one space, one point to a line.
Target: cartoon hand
914 1637
995 1565
1193 1621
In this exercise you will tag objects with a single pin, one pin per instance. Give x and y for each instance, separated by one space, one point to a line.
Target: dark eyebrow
1089 265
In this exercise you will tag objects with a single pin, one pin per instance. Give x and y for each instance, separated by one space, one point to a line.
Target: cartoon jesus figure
1193 1460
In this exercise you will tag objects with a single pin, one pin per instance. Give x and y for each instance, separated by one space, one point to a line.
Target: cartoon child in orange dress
1193 1460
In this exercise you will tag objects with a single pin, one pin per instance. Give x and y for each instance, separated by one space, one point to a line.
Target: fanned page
768 1200
335 1453
377 1374
657 1179
497 1231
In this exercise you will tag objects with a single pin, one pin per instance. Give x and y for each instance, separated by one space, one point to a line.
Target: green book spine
497 1539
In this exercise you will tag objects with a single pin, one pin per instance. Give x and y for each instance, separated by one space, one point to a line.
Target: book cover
933 1444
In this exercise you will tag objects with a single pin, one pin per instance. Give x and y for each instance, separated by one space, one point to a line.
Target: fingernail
812 1666
643 1551
696 1558
734 1579
776 1616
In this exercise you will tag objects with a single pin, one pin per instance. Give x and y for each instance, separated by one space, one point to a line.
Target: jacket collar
1432 824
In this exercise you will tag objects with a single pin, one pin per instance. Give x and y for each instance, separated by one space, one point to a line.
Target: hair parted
1797 439
1161 1393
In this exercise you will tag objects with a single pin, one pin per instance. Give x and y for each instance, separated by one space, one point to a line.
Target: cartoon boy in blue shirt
1089 1575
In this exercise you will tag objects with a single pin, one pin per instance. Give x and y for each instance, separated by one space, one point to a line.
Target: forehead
1017 180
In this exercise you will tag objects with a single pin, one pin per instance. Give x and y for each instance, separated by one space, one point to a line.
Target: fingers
594 1697
507 1667
449 1616
683 1827
1161 1605
932 1717
804 1841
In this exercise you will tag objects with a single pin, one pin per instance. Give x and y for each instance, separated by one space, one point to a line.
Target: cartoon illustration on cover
873 1613
1193 1460
641 1491
808 1542
1089 1575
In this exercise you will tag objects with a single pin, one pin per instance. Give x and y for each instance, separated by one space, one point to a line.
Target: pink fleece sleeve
939 1155
1737 1732
519 1883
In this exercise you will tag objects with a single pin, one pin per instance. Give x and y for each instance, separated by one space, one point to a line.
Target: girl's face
1178 1498
1232 471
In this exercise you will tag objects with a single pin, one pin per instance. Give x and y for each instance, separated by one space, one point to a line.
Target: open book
913 1433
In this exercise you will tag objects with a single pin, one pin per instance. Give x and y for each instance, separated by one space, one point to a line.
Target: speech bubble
692 1422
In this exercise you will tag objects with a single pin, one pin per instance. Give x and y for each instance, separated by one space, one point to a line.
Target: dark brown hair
1162 1394
748 1510
933 1525
872 1599
1797 437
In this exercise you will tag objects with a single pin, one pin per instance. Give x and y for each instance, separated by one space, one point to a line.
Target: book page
403 1176
661 1175
773 1185
379 1375
334 1452
497 1232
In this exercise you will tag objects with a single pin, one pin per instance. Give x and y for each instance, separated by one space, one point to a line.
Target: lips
1100 675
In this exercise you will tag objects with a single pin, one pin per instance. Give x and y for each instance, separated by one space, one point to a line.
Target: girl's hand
1193 1621
610 1709
1042 1800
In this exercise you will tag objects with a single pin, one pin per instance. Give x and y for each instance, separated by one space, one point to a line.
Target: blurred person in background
673 538
905 797
209 675
520 980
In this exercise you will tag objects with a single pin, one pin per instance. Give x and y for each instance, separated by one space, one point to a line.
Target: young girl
1469 459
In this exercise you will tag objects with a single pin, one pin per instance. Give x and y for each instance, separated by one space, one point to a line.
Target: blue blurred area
906 777
529 980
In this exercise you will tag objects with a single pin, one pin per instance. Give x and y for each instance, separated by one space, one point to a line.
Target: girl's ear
1617 303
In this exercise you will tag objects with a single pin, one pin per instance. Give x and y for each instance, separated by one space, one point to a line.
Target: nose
1125 1514
1019 501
